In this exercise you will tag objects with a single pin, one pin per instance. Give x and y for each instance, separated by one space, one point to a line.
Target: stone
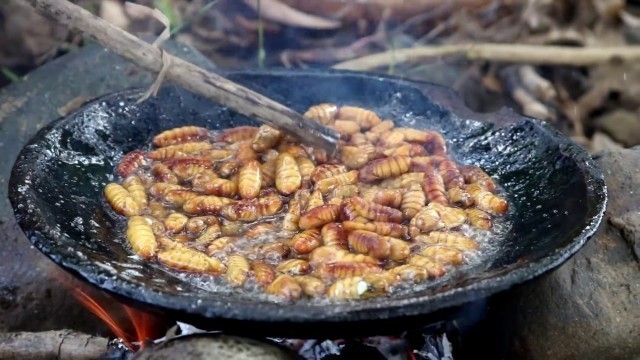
589 308
454 74
201 347
35 294
622 125
601 142
27 38
629 225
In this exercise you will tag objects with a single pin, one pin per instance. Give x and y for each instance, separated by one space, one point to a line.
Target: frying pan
557 199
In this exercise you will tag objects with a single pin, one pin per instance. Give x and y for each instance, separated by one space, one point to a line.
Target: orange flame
144 325
100 312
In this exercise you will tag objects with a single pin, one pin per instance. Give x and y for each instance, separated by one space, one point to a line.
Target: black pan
557 198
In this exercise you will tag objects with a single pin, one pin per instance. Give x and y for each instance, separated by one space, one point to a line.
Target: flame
100 312
143 324
134 327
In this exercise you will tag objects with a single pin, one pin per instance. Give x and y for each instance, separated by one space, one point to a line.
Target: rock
589 308
602 142
33 294
622 125
201 347
629 225
27 38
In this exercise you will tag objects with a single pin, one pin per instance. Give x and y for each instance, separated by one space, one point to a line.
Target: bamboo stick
508 53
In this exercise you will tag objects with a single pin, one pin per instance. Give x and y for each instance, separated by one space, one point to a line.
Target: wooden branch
510 53
62 344
189 76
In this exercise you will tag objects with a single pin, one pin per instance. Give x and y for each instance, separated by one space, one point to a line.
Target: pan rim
412 306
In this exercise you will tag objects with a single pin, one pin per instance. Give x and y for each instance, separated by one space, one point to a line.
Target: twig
62 344
189 76
166 60
530 106
510 53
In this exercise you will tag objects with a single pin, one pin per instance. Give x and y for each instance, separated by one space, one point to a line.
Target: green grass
262 54
168 10
6 72
392 65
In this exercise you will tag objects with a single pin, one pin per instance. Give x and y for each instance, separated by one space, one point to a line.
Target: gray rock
601 142
629 225
622 125
589 308
33 294
203 347
454 74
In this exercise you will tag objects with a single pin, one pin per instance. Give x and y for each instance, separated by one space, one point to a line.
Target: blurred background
488 51
597 105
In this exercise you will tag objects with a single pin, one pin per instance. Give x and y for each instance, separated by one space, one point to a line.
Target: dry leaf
609 8
155 13
630 20
373 10
113 12
72 105
358 48
166 59
530 106
540 87
275 11
536 14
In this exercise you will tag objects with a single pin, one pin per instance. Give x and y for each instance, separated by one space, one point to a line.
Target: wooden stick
59 344
511 53
189 76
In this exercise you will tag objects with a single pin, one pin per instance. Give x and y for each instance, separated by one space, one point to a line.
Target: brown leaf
357 48
608 8
630 20
540 87
354 11
72 105
113 12
275 11
530 106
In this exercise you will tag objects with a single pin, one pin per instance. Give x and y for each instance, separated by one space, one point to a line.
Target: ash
434 346
117 350
424 344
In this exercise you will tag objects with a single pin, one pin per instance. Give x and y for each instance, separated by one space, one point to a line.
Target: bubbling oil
489 242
